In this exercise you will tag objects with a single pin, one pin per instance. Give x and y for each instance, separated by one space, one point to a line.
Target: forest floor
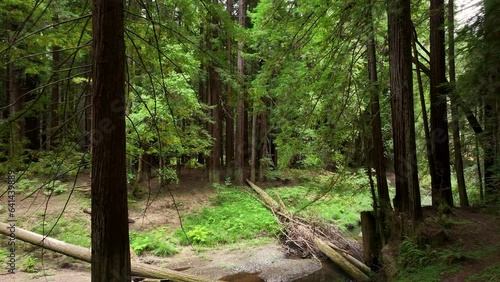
471 253
232 262
479 238
461 245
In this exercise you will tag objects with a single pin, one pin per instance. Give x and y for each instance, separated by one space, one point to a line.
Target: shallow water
243 277
329 272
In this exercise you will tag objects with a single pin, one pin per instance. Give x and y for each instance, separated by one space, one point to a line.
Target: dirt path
482 234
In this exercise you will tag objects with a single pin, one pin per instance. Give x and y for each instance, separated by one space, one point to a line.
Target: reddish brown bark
407 198
110 238
240 111
378 148
441 182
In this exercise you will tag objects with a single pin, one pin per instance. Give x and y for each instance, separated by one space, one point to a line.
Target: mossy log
84 254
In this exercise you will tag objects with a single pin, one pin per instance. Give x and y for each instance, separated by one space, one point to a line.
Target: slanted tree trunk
441 182
407 198
110 238
342 251
81 253
378 145
425 119
457 146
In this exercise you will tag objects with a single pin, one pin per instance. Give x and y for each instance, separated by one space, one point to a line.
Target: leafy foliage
428 264
156 242
339 202
32 185
29 264
67 230
490 273
234 216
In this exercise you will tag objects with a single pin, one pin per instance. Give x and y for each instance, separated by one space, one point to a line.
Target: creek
328 272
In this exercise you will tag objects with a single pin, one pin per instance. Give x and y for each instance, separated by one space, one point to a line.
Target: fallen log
363 267
311 239
81 253
338 259
267 199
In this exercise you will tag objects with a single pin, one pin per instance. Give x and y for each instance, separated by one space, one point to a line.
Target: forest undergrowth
223 214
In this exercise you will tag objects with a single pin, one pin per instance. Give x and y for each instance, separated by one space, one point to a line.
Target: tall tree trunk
110 238
229 104
491 141
246 134
202 88
407 198
53 121
240 115
457 146
4 94
4 109
263 156
477 151
253 155
32 121
16 102
441 182
53 114
214 89
144 168
214 93
378 145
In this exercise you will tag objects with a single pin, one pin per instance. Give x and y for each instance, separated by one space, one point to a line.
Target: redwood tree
229 146
488 70
441 182
457 146
110 238
407 198
378 146
240 108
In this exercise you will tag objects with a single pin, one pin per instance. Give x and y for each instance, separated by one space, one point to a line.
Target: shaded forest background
244 88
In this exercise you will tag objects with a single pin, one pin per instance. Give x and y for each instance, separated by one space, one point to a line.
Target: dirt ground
159 208
482 233
267 260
